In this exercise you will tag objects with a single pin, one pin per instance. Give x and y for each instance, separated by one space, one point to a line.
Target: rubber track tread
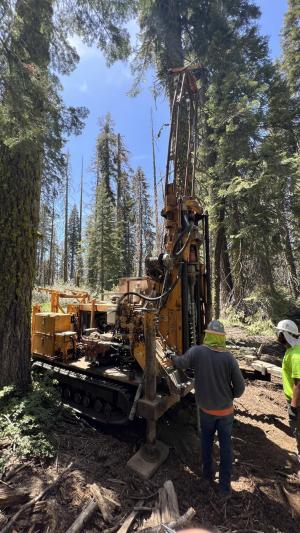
68 376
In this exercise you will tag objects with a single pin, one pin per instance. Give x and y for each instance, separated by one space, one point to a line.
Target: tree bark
20 184
42 249
20 173
217 273
221 258
51 251
227 280
289 255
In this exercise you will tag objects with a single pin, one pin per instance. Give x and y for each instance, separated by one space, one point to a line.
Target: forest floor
266 496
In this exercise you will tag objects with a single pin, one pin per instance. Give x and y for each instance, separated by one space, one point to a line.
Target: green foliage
143 226
260 312
73 242
291 39
253 324
29 420
106 155
121 207
34 47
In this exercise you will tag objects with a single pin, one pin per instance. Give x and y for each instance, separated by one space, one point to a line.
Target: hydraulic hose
186 242
149 298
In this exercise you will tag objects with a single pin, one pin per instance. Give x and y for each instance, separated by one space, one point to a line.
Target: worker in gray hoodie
218 380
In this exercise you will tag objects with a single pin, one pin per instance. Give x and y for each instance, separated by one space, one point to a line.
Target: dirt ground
266 485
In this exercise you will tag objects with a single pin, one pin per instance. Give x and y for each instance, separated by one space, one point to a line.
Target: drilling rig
111 357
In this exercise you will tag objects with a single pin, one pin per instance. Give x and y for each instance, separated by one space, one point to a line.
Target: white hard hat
289 326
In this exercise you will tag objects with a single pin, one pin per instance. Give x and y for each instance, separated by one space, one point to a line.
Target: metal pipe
92 318
185 310
150 371
150 367
171 134
176 133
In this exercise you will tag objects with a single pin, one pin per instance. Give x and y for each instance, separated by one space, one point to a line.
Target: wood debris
10 497
33 501
83 518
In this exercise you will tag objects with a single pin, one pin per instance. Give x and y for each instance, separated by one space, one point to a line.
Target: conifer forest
130 226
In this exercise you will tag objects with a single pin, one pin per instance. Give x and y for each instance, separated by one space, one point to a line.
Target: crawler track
102 400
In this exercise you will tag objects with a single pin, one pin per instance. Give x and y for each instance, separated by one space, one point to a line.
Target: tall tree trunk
221 258
19 214
266 271
81 200
227 274
66 223
217 273
119 180
139 230
79 252
289 254
42 249
20 184
50 267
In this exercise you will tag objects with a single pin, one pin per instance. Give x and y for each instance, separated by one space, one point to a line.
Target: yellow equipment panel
50 323
58 345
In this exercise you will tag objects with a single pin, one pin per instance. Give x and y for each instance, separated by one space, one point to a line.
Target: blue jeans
211 424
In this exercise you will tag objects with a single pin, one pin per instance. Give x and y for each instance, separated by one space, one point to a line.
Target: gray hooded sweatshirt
218 378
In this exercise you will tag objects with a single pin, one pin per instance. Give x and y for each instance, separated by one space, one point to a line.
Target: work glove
292 412
170 356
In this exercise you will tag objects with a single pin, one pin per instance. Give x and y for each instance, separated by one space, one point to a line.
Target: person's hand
292 412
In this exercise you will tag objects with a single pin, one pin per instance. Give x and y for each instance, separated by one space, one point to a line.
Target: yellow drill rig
111 357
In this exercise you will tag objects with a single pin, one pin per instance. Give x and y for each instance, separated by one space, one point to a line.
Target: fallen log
10 496
126 525
176 524
103 505
171 501
83 518
98 502
13 471
31 502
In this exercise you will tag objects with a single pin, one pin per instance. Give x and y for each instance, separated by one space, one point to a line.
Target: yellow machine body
53 336
105 341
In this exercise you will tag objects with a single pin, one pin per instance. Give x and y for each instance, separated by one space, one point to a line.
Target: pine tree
103 253
143 227
291 48
80 246
73 243
67 182
280 175
91 259
33 122
222 36
124 209
106 155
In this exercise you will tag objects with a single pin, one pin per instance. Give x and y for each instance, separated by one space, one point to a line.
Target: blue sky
102 90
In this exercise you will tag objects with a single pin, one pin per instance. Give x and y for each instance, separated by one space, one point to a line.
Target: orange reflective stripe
219 412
